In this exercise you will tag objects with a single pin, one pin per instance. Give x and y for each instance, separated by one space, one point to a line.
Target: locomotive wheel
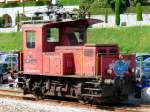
38 97
1 79
83 100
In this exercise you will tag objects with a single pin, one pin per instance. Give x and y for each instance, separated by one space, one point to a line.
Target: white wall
129 19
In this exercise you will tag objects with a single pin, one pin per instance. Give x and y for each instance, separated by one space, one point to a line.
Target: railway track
18 94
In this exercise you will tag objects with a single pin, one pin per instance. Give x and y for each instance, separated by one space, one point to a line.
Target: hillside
129 39
10 41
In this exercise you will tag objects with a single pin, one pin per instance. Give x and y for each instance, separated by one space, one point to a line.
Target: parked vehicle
141 57
143 75
8 63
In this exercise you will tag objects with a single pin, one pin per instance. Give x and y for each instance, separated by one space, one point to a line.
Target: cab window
30 39
76 37
79 36
102 52
113 51
52 35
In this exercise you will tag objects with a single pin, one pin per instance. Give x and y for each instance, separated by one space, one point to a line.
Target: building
9 15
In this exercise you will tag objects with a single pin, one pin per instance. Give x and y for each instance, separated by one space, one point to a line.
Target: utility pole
54 2
49 5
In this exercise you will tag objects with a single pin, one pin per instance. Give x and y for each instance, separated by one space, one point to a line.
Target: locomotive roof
85 22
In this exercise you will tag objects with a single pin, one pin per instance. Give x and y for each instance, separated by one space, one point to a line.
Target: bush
15 4
139 11
17 18
22 17
117 12
69 2
37 18
6 5
39 3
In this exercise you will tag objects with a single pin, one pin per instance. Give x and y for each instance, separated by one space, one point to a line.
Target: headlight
109 71
132 70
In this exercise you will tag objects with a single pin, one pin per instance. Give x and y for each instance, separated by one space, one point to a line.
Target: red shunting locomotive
58 62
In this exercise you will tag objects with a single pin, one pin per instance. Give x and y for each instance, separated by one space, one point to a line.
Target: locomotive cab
56 35
62 40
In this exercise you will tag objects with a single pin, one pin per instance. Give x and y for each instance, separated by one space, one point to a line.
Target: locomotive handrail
34 22
107 53
97 66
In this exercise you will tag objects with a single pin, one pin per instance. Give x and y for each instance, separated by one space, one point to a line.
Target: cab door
33 51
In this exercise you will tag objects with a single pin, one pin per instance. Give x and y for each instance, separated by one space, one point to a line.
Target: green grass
10 41
20 4
70 2
98 10
129 39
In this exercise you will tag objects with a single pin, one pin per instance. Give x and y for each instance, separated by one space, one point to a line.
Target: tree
39 3
139 10
106 15
124 4
1 22
84 8
117 12
17 18
106 11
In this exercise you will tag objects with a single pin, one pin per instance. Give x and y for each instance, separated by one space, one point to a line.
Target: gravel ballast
13 105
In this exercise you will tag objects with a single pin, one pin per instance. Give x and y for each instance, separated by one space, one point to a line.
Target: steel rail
18 94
